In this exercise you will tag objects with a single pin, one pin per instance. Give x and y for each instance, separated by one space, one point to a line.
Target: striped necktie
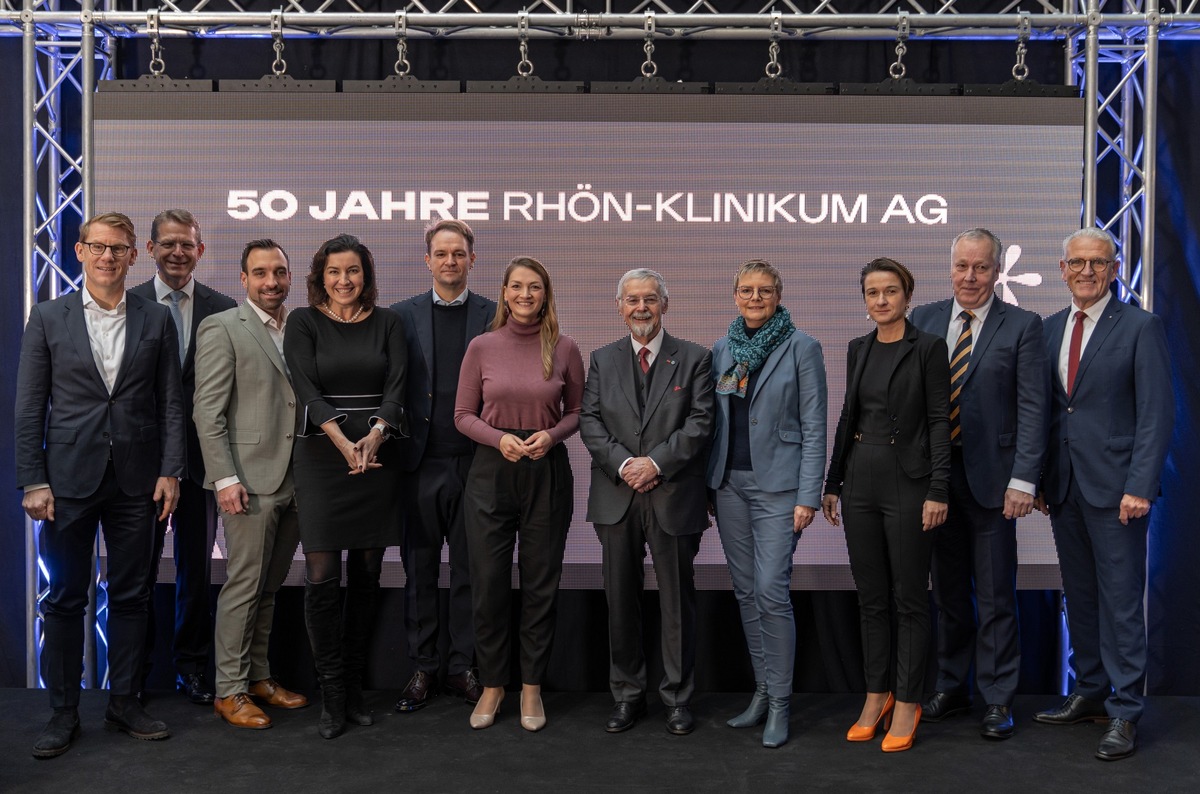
958 373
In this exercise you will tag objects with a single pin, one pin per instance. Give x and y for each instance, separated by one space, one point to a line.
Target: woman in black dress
347 359
891 470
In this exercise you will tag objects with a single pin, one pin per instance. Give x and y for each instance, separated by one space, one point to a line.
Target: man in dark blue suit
176 248
99 441
1112 412
998 435
438 324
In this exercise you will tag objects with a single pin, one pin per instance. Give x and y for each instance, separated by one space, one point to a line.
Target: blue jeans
756 533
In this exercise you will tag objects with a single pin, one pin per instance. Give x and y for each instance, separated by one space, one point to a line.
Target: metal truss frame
1112 54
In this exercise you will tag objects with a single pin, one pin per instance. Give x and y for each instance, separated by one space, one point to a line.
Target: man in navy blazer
438 324
995 464
1111 416
99 440
176 248
647 421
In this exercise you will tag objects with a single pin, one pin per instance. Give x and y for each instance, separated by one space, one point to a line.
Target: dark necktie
177 316
958 372
644 359
1074 350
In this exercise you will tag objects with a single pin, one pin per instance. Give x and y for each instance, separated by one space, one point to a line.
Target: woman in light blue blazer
767 467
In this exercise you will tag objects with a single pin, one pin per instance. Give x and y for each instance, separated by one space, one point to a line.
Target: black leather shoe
417 693
624 715
55 739
944 704
679 720
125 714
997 722
1074 710
464 685
195 687
1119 741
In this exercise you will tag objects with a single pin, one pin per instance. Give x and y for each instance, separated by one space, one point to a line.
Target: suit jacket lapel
664 375
1055 327
254 326
987 333
423 319
479 317
1108 321
768 367
906 346
623 353
77 330
135 321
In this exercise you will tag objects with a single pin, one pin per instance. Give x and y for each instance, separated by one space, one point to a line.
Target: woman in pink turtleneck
519 396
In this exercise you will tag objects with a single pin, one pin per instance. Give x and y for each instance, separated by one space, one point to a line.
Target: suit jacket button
753 421
1071 410
635 432
289 435
104 434
291 405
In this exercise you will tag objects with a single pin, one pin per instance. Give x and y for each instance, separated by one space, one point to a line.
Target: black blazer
918 404
66 422
205 302
416 317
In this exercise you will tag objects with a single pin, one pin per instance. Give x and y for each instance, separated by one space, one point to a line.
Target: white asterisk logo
1024 279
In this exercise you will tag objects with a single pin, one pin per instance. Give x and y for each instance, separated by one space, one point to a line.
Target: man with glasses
99 442
998 406
176 248
647 420
1111 417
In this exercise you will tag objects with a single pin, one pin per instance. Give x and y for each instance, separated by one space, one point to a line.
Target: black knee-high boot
323 617
358 623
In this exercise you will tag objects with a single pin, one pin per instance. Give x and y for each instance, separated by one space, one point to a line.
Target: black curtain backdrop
828 654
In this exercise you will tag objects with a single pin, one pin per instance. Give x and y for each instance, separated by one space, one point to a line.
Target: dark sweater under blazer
918 403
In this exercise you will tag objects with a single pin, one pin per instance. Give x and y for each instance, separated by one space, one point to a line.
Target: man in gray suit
246 417
99 442
176 248
647 420
999 400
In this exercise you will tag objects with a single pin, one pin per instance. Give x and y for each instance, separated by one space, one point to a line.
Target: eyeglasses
119 251
1098 265
747 293
650 301
170 245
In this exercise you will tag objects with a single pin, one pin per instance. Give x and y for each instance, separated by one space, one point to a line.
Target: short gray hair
1091 233
977 234
639 274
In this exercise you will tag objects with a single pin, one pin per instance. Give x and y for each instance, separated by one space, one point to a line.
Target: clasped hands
362 454
641 474
535 447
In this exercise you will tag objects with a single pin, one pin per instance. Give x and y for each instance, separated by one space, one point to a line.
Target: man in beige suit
245 417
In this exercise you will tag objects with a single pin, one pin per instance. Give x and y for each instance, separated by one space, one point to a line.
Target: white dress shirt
457 301
106 334
654 345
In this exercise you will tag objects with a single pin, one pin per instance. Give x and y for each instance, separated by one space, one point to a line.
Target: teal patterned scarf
750 353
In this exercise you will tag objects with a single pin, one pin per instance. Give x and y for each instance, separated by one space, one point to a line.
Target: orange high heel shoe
858 733
896 744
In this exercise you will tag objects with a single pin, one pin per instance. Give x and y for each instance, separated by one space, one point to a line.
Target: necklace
337 317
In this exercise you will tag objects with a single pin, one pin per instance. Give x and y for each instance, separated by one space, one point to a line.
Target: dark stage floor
434 750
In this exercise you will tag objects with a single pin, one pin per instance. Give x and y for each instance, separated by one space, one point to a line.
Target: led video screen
592 185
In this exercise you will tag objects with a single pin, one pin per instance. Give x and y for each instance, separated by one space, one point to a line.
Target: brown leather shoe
464 685
417 693
272 693
240 712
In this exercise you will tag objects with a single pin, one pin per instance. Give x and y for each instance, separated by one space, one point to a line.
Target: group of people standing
346 427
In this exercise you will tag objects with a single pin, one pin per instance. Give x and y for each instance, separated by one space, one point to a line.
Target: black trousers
194 523
889 558
433 515
67 544
535 499
624 554
974 574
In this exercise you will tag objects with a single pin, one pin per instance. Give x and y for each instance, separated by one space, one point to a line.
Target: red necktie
1074 350
644 359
